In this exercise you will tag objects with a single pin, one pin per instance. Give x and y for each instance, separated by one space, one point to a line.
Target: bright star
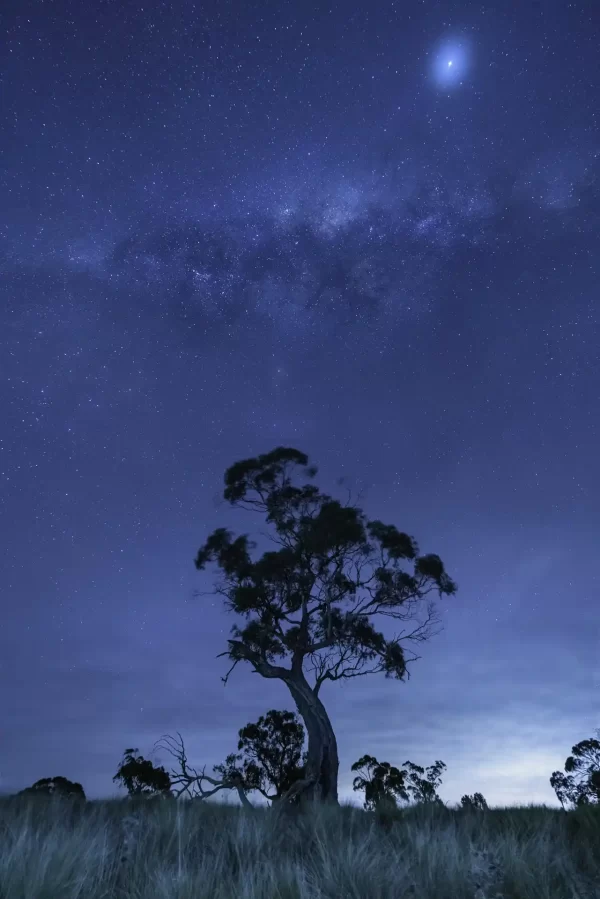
451 61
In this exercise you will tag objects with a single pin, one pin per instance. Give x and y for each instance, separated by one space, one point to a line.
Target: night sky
369 231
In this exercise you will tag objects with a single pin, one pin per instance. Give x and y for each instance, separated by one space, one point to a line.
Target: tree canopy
141 777
581 784
55 786
271 755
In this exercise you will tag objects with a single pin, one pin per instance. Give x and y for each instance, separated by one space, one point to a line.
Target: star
451 62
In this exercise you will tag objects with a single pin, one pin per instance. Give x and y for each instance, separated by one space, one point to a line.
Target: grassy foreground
52 849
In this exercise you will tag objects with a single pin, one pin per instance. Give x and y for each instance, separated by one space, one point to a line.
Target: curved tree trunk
320 781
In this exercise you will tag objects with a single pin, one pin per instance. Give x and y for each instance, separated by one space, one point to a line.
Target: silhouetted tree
581 784
55 786
327 555
271 754
141 778
384 784
424 789
476 801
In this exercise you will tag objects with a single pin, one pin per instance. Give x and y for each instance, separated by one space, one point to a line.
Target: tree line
270 760
310 606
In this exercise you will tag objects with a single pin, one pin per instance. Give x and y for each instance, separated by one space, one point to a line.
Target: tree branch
188 780
261 666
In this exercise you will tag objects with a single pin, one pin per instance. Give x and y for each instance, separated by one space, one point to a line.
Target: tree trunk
320 780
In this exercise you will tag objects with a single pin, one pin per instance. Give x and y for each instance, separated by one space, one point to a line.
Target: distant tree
581 784
424 789
476 801
55 786
271 757
140 777
327 555
384 784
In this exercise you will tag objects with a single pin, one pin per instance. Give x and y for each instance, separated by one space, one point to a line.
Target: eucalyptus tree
311 601
581 784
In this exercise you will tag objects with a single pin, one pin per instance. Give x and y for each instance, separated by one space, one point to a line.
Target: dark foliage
384 784
140 777
55 787
581 784
327 556
271 756
476 801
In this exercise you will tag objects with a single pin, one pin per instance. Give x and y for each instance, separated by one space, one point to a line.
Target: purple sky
227 227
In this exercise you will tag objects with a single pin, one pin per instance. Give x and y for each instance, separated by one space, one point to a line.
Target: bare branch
189 780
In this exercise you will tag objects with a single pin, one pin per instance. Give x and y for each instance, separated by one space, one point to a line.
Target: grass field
53 849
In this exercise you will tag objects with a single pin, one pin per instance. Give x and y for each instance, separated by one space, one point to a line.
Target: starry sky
365 230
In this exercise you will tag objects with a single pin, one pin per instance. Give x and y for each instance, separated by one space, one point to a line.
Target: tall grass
53 849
